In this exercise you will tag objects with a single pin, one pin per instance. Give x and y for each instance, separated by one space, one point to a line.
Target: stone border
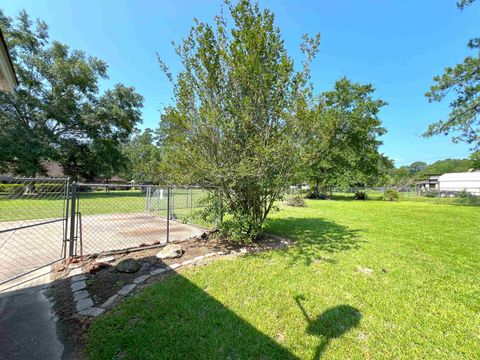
84 303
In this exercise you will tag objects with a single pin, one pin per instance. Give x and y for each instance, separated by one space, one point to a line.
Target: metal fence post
72 219
66 217
168 214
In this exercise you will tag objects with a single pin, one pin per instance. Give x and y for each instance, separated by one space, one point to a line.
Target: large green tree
143 158
341 138
57 112
232 126
475 160
463 80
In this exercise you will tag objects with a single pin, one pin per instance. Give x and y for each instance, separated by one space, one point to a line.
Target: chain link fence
411 193
33 224
118 217
46 220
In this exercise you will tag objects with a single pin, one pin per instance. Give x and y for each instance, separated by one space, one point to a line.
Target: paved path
28 327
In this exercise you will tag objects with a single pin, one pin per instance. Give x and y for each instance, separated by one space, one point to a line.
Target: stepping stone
198 258
141 279
174 266
84 304
210 254
93 311
110 302
78 278
157 271
79 295
127 289
187 262
79 285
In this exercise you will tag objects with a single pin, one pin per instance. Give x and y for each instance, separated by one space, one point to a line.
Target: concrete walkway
28 327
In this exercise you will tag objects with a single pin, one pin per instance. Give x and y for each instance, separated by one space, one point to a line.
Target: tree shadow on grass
330 324
315 237
176 319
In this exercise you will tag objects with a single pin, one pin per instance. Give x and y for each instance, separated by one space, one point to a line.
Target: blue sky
397 45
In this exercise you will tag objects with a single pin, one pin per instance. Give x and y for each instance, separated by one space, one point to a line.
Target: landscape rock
106 259
128 266
78 278
79 295
158 271
79 285
84 304
92 311
141 279
170 251
110 302
127 289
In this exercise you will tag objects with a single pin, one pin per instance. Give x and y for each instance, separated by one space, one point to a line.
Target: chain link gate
33 224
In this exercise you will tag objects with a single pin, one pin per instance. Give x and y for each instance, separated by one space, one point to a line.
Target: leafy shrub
463 194
431 194
316 196
295 200
241 229
360 195
12 189
208 211
391 195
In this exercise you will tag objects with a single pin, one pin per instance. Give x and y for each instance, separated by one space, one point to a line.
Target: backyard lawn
366 280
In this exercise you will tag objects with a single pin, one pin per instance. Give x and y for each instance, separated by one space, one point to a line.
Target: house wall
468 183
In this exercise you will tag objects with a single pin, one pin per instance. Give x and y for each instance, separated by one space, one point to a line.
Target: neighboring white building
455 182
427 184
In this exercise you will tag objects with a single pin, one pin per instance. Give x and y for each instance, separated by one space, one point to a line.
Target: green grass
422 300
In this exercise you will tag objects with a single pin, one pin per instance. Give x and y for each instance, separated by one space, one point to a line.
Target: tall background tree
143 159
464 81
57 113
233 123
341 138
